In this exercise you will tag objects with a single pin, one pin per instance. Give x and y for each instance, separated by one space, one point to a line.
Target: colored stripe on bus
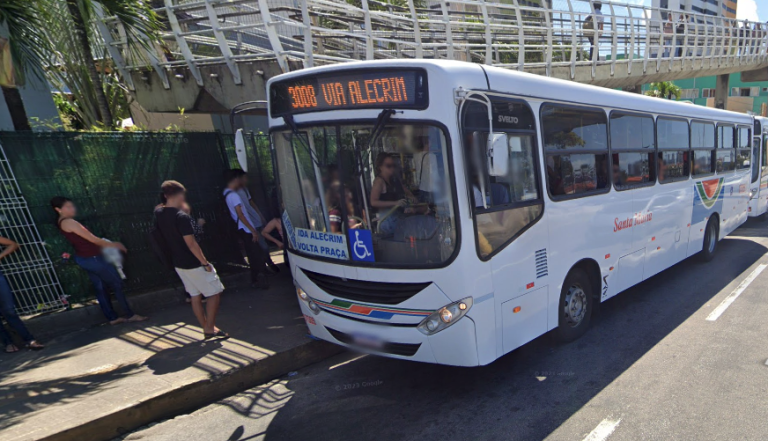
371 310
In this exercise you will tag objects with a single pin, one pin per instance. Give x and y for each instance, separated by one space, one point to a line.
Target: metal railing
30 271
528 35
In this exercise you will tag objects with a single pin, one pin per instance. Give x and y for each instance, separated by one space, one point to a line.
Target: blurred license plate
367 341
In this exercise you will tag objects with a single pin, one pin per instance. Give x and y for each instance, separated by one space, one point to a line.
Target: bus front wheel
710 241
575 307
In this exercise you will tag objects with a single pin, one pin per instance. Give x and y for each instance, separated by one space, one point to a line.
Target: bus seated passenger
333 199
662 168
388 195
616 175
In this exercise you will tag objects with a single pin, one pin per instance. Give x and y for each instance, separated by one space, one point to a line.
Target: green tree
138 20
61 36
665 89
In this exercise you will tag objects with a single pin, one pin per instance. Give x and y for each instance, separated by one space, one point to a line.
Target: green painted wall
734 81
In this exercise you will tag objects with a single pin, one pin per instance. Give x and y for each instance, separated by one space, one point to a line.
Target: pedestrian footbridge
218 53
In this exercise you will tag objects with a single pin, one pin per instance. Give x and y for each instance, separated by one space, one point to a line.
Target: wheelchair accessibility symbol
362 245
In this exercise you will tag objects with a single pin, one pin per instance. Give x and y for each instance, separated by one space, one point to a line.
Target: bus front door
762 191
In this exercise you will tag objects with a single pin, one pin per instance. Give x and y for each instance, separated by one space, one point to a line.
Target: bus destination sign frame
350 90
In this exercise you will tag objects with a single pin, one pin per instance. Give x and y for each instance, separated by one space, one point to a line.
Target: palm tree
665 89
59 35
28 47
140 24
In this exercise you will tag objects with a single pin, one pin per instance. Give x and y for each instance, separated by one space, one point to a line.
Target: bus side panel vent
541 264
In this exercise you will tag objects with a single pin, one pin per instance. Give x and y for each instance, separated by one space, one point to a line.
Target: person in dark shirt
198 275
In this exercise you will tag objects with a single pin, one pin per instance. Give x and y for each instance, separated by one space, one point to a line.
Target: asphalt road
652 367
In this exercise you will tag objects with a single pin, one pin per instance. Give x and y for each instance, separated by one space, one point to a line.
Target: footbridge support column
721 91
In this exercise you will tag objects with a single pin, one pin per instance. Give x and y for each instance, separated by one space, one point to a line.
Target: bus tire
709 247
575 307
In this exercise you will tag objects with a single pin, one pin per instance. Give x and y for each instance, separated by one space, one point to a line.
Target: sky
754 10
748 9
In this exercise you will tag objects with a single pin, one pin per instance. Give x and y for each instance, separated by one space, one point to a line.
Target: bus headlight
304 297
445 316
302 294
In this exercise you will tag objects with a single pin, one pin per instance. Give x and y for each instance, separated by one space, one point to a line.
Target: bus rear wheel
575 307
709 247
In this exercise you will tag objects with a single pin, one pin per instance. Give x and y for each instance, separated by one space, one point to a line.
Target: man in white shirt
246 231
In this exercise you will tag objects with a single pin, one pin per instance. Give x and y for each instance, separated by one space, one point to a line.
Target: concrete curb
198 394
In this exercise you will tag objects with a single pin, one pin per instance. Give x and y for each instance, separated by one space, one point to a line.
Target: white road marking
714 315
346 362
603 430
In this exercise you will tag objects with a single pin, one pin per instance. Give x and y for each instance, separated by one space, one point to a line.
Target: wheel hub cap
575 305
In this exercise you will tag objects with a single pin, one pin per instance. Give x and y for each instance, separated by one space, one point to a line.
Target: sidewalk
99 382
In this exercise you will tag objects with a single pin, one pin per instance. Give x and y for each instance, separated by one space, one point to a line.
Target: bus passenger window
703 148
743 148
633 145
673 157
725 159
673 165
576 147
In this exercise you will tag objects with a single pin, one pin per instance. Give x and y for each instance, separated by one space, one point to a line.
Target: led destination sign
401 89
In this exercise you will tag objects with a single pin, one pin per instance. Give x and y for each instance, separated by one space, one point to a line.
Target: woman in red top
88 257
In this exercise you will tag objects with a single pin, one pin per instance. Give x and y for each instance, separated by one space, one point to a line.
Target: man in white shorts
198 275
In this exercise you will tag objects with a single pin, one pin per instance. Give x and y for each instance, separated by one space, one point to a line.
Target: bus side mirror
498 154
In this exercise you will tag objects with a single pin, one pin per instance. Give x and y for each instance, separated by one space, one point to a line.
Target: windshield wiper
290 122
382 119
378 128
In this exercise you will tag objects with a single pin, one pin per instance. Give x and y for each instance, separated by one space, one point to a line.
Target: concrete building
715 8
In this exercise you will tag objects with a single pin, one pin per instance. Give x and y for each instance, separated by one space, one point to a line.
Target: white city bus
448 212
758 193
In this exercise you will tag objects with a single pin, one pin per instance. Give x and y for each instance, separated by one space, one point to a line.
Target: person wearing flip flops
88 256
198 275
8 308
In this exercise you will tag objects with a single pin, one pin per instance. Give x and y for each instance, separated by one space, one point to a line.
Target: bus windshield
386 188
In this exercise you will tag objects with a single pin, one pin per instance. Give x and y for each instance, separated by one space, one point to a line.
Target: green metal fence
114 178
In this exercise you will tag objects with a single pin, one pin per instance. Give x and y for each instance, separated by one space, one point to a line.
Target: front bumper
455 346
